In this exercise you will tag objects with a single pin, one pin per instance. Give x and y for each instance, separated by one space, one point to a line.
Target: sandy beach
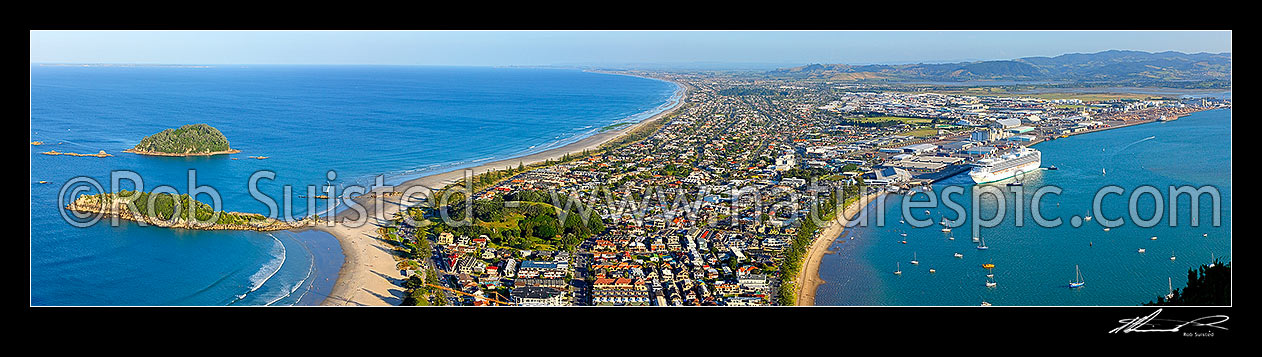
368 276
808 277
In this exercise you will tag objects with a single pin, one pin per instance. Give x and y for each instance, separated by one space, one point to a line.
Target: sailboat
899 270
983 245
914 261
1171 255
1088 217
1170 282
990 283
1078 283
1211 260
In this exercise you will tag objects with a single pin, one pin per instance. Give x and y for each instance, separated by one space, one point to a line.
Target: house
510 268
445 238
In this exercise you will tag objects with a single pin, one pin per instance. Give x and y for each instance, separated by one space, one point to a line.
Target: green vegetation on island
178 211
188 140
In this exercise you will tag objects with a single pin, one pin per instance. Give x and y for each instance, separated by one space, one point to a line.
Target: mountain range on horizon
1112 66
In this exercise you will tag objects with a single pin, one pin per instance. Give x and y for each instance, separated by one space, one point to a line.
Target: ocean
1034 264
401 122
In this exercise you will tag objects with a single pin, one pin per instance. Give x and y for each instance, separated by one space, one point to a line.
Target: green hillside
191 139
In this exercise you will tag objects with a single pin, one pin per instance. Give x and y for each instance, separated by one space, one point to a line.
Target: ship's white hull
987 177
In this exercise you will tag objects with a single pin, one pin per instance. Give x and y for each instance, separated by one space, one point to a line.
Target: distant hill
188 140
1114 66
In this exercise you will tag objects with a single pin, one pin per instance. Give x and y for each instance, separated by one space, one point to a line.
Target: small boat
1205 235
914 261
988 265
1141 250
1079 283
1153 238
975 239
958 255
1106 229
1016 183
1053 167
931 271
985 303
946 230
904 234
1170 285
904 242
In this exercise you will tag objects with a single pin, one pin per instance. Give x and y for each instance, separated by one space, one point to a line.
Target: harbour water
1033 264
358 121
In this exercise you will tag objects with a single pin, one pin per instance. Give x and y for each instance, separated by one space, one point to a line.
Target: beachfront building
538 296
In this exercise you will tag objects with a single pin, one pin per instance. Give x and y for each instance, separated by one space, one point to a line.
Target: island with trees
188 140
161 210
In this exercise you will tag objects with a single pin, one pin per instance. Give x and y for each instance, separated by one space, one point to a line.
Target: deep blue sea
359 121
1033 264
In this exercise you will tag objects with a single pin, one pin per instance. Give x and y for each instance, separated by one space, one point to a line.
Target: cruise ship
1006 166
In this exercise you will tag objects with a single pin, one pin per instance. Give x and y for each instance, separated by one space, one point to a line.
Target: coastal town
719 202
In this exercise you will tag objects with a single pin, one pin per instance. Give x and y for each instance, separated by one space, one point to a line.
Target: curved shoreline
368 276
808 279
807 286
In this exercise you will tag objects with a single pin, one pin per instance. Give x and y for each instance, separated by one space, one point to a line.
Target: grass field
921 133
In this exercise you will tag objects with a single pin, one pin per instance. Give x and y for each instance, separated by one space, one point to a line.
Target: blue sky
499 48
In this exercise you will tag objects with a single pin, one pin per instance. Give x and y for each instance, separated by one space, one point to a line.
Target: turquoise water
1034 264
359 121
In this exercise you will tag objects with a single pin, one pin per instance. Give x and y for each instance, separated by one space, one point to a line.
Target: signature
1151 323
